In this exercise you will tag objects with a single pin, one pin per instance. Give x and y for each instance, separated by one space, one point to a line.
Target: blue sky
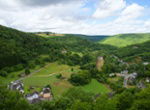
93 17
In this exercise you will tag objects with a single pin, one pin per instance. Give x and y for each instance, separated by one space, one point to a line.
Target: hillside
123 40
133 52
88 37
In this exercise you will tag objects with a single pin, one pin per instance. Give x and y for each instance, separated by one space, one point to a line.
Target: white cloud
131 12
108 8
74 18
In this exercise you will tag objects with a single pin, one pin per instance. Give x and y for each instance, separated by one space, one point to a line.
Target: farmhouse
46 94
141 85
33 98
129 78
16 85
37 97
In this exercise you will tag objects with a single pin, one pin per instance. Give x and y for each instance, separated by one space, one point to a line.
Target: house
64 51
46 94
16 85
112 75
147 80
145 63
129 78
33 98
124 72
141 85
37 97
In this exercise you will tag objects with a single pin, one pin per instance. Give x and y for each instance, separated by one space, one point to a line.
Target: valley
60 71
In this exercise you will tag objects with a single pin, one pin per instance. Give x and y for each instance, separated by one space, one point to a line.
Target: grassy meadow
95 87
47 76
123 40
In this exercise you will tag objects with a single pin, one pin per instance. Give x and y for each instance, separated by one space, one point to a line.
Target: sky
90 17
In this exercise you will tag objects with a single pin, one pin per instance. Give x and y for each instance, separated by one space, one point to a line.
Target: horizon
86 17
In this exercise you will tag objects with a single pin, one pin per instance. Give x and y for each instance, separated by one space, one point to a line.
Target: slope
123 40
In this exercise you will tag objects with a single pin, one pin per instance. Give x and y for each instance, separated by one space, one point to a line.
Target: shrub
27 71
59 76
3 73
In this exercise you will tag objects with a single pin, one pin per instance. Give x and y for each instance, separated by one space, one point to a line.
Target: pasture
95 87
47 76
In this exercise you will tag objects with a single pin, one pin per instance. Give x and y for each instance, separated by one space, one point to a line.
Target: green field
123 40
41 77
47 76
95 87
14 76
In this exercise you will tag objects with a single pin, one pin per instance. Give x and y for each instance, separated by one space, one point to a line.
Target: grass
41 77
14 76
123 40
47 76
51 35
95 87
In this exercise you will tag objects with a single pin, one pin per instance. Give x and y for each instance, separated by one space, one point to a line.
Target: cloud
108 8
74 17
45 2
131 12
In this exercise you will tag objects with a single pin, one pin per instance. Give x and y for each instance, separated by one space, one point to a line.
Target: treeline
76 99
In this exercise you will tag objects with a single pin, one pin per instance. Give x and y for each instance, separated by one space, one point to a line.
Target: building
46 94
141 85
16 85
33 98
129 78
37 97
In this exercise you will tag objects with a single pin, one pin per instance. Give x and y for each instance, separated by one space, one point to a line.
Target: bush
3 73
27 71
59 76
18 67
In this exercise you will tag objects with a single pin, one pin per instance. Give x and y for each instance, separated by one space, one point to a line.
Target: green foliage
3 73
27 71
11 100
59 76
81 78
142 101
135 52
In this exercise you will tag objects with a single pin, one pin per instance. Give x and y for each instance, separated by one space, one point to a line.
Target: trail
36 71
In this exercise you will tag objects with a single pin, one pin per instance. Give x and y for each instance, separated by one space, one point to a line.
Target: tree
81 78
59 76
103 103
78 105
27 71
142 101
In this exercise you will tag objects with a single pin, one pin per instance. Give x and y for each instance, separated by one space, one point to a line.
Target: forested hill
140 52
18 47
123 40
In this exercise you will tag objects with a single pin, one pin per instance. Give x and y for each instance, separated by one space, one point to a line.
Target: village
45 94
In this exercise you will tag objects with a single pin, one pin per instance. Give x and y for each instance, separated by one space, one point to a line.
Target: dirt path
36 71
